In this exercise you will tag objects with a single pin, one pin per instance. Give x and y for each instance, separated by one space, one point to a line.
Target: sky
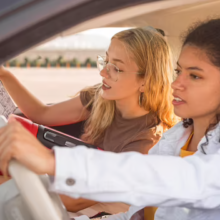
106 32
90 39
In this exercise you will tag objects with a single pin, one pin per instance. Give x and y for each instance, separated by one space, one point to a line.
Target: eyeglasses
112 70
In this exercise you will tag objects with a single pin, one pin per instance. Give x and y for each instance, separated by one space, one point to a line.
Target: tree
13 62
61 61
46 62
74 62
35 62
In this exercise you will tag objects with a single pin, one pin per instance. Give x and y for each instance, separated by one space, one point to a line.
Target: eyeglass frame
118 70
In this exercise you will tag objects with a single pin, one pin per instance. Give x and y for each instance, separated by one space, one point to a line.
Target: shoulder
144 140
147 134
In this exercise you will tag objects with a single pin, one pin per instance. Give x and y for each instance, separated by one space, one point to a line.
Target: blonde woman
128 111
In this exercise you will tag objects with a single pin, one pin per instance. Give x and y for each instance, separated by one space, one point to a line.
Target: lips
106 85
178 99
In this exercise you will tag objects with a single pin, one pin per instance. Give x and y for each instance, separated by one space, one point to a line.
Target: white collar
180 134
177 132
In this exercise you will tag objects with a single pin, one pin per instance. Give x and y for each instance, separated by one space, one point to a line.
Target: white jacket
147 180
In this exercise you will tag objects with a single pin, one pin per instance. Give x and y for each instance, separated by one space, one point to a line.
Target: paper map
7 106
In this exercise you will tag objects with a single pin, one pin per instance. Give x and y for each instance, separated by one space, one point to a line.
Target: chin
181 114
107 97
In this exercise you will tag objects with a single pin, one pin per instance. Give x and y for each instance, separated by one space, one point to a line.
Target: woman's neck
129 108
200 126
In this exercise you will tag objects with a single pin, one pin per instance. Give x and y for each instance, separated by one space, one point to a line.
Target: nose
104 73
179 83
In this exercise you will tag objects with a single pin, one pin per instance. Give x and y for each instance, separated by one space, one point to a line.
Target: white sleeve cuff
68 177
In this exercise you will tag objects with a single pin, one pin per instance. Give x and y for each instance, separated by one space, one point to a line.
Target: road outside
56 84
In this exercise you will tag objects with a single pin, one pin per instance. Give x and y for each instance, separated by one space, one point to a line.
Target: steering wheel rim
34 193
33 189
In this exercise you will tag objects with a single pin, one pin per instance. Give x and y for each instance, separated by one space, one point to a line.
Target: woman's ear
142 86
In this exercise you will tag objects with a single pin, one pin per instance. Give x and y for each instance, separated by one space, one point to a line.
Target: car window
58 69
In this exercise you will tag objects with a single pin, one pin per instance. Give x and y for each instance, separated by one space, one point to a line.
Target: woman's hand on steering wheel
18 143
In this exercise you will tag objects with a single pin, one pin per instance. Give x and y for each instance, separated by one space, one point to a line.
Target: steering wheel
41 204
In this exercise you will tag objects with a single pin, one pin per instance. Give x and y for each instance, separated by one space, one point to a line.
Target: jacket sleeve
140 180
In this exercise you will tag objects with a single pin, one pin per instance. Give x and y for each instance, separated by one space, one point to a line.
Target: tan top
137 134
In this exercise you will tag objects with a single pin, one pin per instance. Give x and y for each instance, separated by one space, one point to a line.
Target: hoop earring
140 99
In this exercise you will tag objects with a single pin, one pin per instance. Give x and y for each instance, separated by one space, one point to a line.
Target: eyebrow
114 59
191 68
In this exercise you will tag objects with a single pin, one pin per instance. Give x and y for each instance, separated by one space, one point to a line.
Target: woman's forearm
66 112
28 104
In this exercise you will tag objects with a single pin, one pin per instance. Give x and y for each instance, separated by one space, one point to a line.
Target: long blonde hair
153 58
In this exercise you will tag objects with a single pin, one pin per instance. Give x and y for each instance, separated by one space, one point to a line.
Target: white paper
7 106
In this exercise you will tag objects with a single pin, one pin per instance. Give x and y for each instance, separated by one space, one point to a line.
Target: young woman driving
127 112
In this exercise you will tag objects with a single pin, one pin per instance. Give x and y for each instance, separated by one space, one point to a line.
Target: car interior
29 23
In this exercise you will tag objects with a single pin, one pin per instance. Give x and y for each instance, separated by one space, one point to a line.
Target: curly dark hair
206 36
